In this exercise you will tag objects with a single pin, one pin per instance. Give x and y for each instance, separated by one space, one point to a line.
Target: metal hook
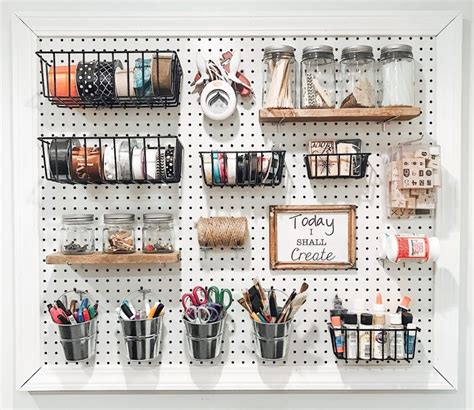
418 139
384 123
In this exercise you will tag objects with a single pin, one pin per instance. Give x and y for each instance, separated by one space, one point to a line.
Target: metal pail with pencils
204 339
272 339
78 340
141 336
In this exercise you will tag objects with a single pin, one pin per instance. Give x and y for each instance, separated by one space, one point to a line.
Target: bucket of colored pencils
141 319
75 314
271 322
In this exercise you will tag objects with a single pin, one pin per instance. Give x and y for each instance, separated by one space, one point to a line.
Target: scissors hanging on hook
201 314
216 295
197 297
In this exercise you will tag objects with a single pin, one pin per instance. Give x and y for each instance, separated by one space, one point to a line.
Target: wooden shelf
100 258
339 114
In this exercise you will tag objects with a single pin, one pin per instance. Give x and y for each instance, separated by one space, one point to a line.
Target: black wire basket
91 79
112 160
322 166
242 168
341 338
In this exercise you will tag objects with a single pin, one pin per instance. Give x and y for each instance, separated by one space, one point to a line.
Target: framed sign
312 236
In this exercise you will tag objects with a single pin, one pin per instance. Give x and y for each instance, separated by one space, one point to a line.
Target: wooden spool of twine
222 232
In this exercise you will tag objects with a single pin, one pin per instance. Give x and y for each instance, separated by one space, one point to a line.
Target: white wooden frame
31 376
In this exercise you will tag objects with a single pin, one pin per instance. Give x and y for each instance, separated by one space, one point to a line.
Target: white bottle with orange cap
379 341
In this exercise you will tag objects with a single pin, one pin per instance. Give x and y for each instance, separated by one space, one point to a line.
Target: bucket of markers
75 314
141 320
205 314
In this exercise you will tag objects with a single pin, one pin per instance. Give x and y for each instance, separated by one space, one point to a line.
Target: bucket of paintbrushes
271 323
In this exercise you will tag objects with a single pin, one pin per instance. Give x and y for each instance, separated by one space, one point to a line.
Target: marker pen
121 313
53 313
130 306
158 310
125 308
91 312
410 340
151 313
85 315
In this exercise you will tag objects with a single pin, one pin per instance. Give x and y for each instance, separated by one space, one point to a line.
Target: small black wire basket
112 160
323 166
401 341
92 79
242 168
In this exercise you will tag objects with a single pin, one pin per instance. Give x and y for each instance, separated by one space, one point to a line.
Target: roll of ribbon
231 168
62 81
86 84
162 75
124 83
142 77
104 80
108 162
137 163
59 154
125 171
152 160
419 248
86 164
170 162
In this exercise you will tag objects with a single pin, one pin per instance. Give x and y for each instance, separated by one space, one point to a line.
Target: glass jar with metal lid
358 87
398 75
318 77
158 233
77 234
119 233
279 77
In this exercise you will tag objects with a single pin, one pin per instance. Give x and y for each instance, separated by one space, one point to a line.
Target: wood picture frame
321 228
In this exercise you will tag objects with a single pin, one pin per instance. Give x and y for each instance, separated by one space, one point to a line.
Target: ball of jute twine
222 231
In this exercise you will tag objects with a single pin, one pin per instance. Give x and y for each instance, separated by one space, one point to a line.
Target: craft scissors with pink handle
197 297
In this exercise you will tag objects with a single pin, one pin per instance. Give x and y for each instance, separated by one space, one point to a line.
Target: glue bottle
379 341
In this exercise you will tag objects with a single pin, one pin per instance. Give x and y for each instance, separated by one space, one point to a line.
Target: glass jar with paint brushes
75 314
140 315
271 320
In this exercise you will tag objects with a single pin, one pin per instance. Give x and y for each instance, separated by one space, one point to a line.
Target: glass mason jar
398 75
318 77
119 233
279 77
158 233
358 77
77 234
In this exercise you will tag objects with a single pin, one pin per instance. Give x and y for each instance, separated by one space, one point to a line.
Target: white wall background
461 399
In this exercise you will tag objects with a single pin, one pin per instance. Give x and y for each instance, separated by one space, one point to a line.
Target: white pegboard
191 199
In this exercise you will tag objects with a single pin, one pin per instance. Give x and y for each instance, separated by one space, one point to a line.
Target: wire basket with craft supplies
375 335
205 314
91 79
75 314
141 318
271 321
242 168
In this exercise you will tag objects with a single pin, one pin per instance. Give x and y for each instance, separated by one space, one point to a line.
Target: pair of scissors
197 297
201 314
216 295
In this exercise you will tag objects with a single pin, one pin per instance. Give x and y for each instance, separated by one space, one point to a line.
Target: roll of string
222 232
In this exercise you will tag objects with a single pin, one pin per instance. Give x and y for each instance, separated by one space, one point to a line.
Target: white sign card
312 237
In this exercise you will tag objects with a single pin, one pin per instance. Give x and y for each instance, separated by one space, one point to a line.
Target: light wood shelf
383 114
100 258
